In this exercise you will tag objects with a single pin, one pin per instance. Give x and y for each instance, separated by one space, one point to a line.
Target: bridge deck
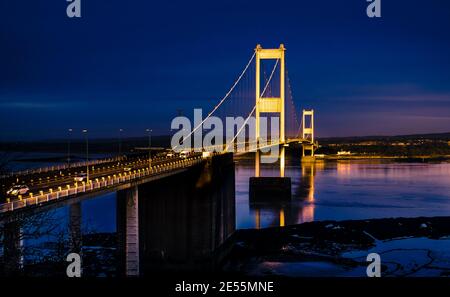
102 184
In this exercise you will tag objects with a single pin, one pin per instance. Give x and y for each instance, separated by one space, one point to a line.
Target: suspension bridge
261 97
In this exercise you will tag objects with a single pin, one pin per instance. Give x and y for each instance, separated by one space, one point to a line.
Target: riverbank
421 158
407 246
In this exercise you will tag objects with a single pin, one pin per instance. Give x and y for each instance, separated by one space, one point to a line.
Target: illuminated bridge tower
270 104
308 145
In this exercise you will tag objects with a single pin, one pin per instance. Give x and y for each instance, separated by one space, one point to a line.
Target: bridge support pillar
75 227
309 146
257 163
128 230
262 188
273 105
12 248
282 161
308 153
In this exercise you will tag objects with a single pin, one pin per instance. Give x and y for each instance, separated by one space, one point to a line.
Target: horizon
73 140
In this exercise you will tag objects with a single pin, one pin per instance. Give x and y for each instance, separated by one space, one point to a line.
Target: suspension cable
254 108
300 128
224 98
292 102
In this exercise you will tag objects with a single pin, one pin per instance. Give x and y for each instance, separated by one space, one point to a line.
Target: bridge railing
61 167
96 184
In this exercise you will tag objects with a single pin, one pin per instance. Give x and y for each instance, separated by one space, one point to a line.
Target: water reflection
277 212
346 190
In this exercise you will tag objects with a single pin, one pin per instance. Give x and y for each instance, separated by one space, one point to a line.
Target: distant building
368 143
344 153
399 143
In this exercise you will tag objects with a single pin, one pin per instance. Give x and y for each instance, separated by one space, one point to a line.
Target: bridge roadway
251 147
104 178
37 179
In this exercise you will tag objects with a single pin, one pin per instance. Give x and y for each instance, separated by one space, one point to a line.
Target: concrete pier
185 218
128 231
308 159
269 188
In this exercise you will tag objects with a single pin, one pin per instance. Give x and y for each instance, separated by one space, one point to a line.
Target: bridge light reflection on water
346 190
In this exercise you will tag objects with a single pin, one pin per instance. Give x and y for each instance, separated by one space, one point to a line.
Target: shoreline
339 248
425 158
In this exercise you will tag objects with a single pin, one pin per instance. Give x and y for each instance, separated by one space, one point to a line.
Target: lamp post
149 131
85 132
68 147
120 142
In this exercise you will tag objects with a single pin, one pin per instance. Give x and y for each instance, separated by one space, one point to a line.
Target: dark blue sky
132 64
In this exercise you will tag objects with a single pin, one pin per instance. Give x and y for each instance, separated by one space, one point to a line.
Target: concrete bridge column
75 227
257 163
282 160
128 230
12 247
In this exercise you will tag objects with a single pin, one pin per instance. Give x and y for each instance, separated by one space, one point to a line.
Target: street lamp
120 142
85 132
149 131
68 147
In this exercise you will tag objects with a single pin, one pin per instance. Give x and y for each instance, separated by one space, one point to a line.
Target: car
80 177
184 154
127 169
18 190
169 155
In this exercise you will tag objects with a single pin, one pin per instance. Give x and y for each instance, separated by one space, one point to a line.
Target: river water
347 190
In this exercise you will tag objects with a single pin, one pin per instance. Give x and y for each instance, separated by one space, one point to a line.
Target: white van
184 154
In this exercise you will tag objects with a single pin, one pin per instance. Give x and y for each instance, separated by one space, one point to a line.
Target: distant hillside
99 145
430 136
437 144
111 145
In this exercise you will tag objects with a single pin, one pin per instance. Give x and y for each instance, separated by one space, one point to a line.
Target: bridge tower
269 104
308 145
